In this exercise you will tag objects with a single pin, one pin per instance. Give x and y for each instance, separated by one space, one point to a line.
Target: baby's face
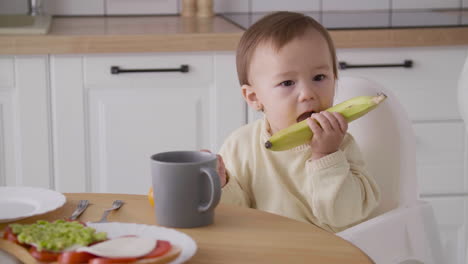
295 81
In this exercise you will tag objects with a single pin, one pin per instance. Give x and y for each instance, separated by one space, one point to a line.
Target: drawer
440 149
97 70
428 90
7 74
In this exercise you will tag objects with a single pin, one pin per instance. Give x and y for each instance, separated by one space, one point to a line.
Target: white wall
122 7
13 6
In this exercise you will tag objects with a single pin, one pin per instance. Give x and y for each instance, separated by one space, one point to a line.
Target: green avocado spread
56 236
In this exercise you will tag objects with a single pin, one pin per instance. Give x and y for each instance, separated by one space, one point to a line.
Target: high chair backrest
386 139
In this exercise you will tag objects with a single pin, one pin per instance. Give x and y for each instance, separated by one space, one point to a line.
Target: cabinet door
135 115
451 218
108 125
127 126
440 156
7 153
428 90
24 122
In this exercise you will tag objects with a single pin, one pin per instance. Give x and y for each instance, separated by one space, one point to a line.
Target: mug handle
215 188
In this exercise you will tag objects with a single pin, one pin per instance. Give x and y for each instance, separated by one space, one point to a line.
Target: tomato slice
44 255
73 257
10 236
111 260
162 247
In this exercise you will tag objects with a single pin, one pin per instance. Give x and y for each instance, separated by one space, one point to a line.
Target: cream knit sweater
334 192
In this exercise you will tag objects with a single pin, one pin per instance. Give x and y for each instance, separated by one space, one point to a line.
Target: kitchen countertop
82 35
126 34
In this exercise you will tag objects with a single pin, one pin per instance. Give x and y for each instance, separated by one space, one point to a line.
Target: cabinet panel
440 157
7 161
450 214
97 70
128 126
69 124
428 91
229 112
32 121
24 122
7 75
7 154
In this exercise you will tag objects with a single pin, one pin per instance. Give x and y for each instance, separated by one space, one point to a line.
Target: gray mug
186 188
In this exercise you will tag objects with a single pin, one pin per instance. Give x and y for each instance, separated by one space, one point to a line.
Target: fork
82 205
115 205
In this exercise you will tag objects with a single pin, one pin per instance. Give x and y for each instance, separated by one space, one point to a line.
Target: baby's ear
251 97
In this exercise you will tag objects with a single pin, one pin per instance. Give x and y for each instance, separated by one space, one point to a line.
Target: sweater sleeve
233 192
339 189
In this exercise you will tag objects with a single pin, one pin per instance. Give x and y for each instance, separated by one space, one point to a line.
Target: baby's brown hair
279 28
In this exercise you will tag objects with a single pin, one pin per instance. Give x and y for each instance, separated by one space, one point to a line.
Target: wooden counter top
78 35
394 38
126 34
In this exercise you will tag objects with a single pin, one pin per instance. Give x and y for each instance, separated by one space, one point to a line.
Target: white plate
116 229
21 202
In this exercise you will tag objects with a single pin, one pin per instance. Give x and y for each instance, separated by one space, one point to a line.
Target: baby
286 65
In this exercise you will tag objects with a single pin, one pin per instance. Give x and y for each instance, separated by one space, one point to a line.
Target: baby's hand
220 168
329 130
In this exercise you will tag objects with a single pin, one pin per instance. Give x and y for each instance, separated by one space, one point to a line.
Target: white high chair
402 230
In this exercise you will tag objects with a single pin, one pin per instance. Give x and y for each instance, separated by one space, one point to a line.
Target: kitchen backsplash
132 7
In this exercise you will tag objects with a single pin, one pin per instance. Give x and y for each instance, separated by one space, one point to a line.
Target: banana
300 133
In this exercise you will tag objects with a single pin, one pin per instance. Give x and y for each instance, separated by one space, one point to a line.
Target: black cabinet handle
117 70
344 65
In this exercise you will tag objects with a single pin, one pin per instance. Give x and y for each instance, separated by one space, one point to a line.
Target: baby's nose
307 93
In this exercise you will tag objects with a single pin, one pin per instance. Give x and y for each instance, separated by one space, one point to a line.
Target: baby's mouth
304 116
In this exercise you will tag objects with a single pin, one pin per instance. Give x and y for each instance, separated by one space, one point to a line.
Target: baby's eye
319 77
287 83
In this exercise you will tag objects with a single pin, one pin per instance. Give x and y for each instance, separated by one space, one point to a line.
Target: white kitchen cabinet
428 92
25 150
106 126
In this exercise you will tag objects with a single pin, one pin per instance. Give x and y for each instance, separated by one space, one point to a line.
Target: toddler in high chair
286 65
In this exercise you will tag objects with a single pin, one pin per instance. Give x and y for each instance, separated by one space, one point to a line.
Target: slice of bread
23 255
18 251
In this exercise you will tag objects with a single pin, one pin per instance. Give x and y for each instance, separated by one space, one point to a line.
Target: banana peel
300 133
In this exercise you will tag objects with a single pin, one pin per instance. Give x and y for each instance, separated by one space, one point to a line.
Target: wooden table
239 235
